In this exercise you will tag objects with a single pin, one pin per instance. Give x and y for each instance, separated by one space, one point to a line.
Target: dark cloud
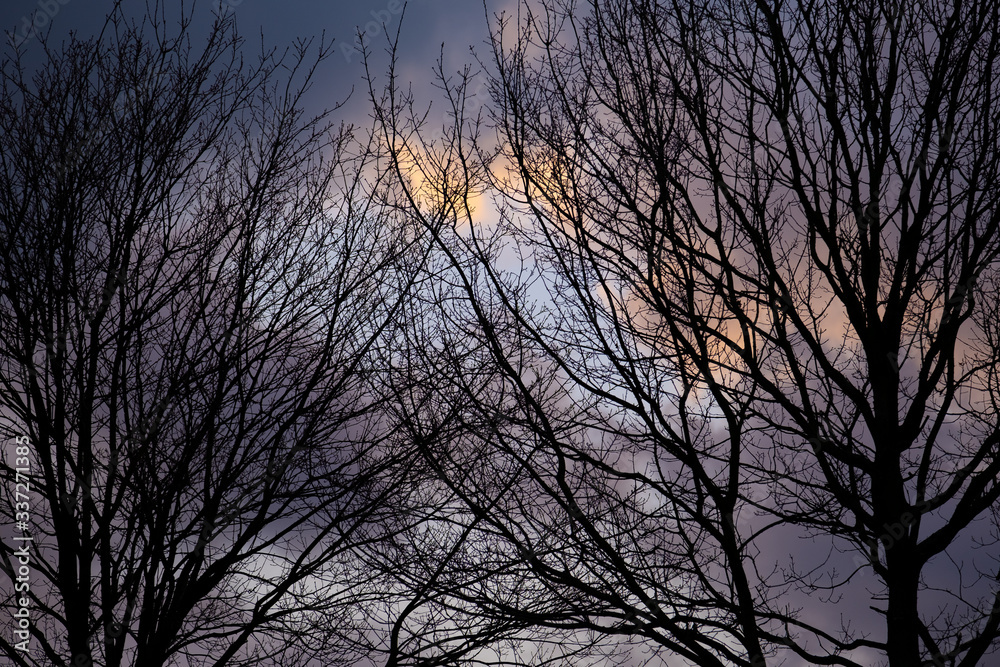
427 25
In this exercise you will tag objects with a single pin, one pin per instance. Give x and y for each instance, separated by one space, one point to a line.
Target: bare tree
722 381
192 283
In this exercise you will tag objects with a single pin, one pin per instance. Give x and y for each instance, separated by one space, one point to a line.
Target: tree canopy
673 340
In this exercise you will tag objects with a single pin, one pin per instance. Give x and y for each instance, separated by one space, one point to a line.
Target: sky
427 25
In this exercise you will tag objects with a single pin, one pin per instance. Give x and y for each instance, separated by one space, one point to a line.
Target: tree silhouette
722 380
192 282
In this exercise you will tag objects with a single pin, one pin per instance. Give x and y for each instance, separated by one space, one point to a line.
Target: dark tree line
193 279
743 407
678 346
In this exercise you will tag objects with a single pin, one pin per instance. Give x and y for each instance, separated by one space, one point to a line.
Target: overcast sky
458 24
428 24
